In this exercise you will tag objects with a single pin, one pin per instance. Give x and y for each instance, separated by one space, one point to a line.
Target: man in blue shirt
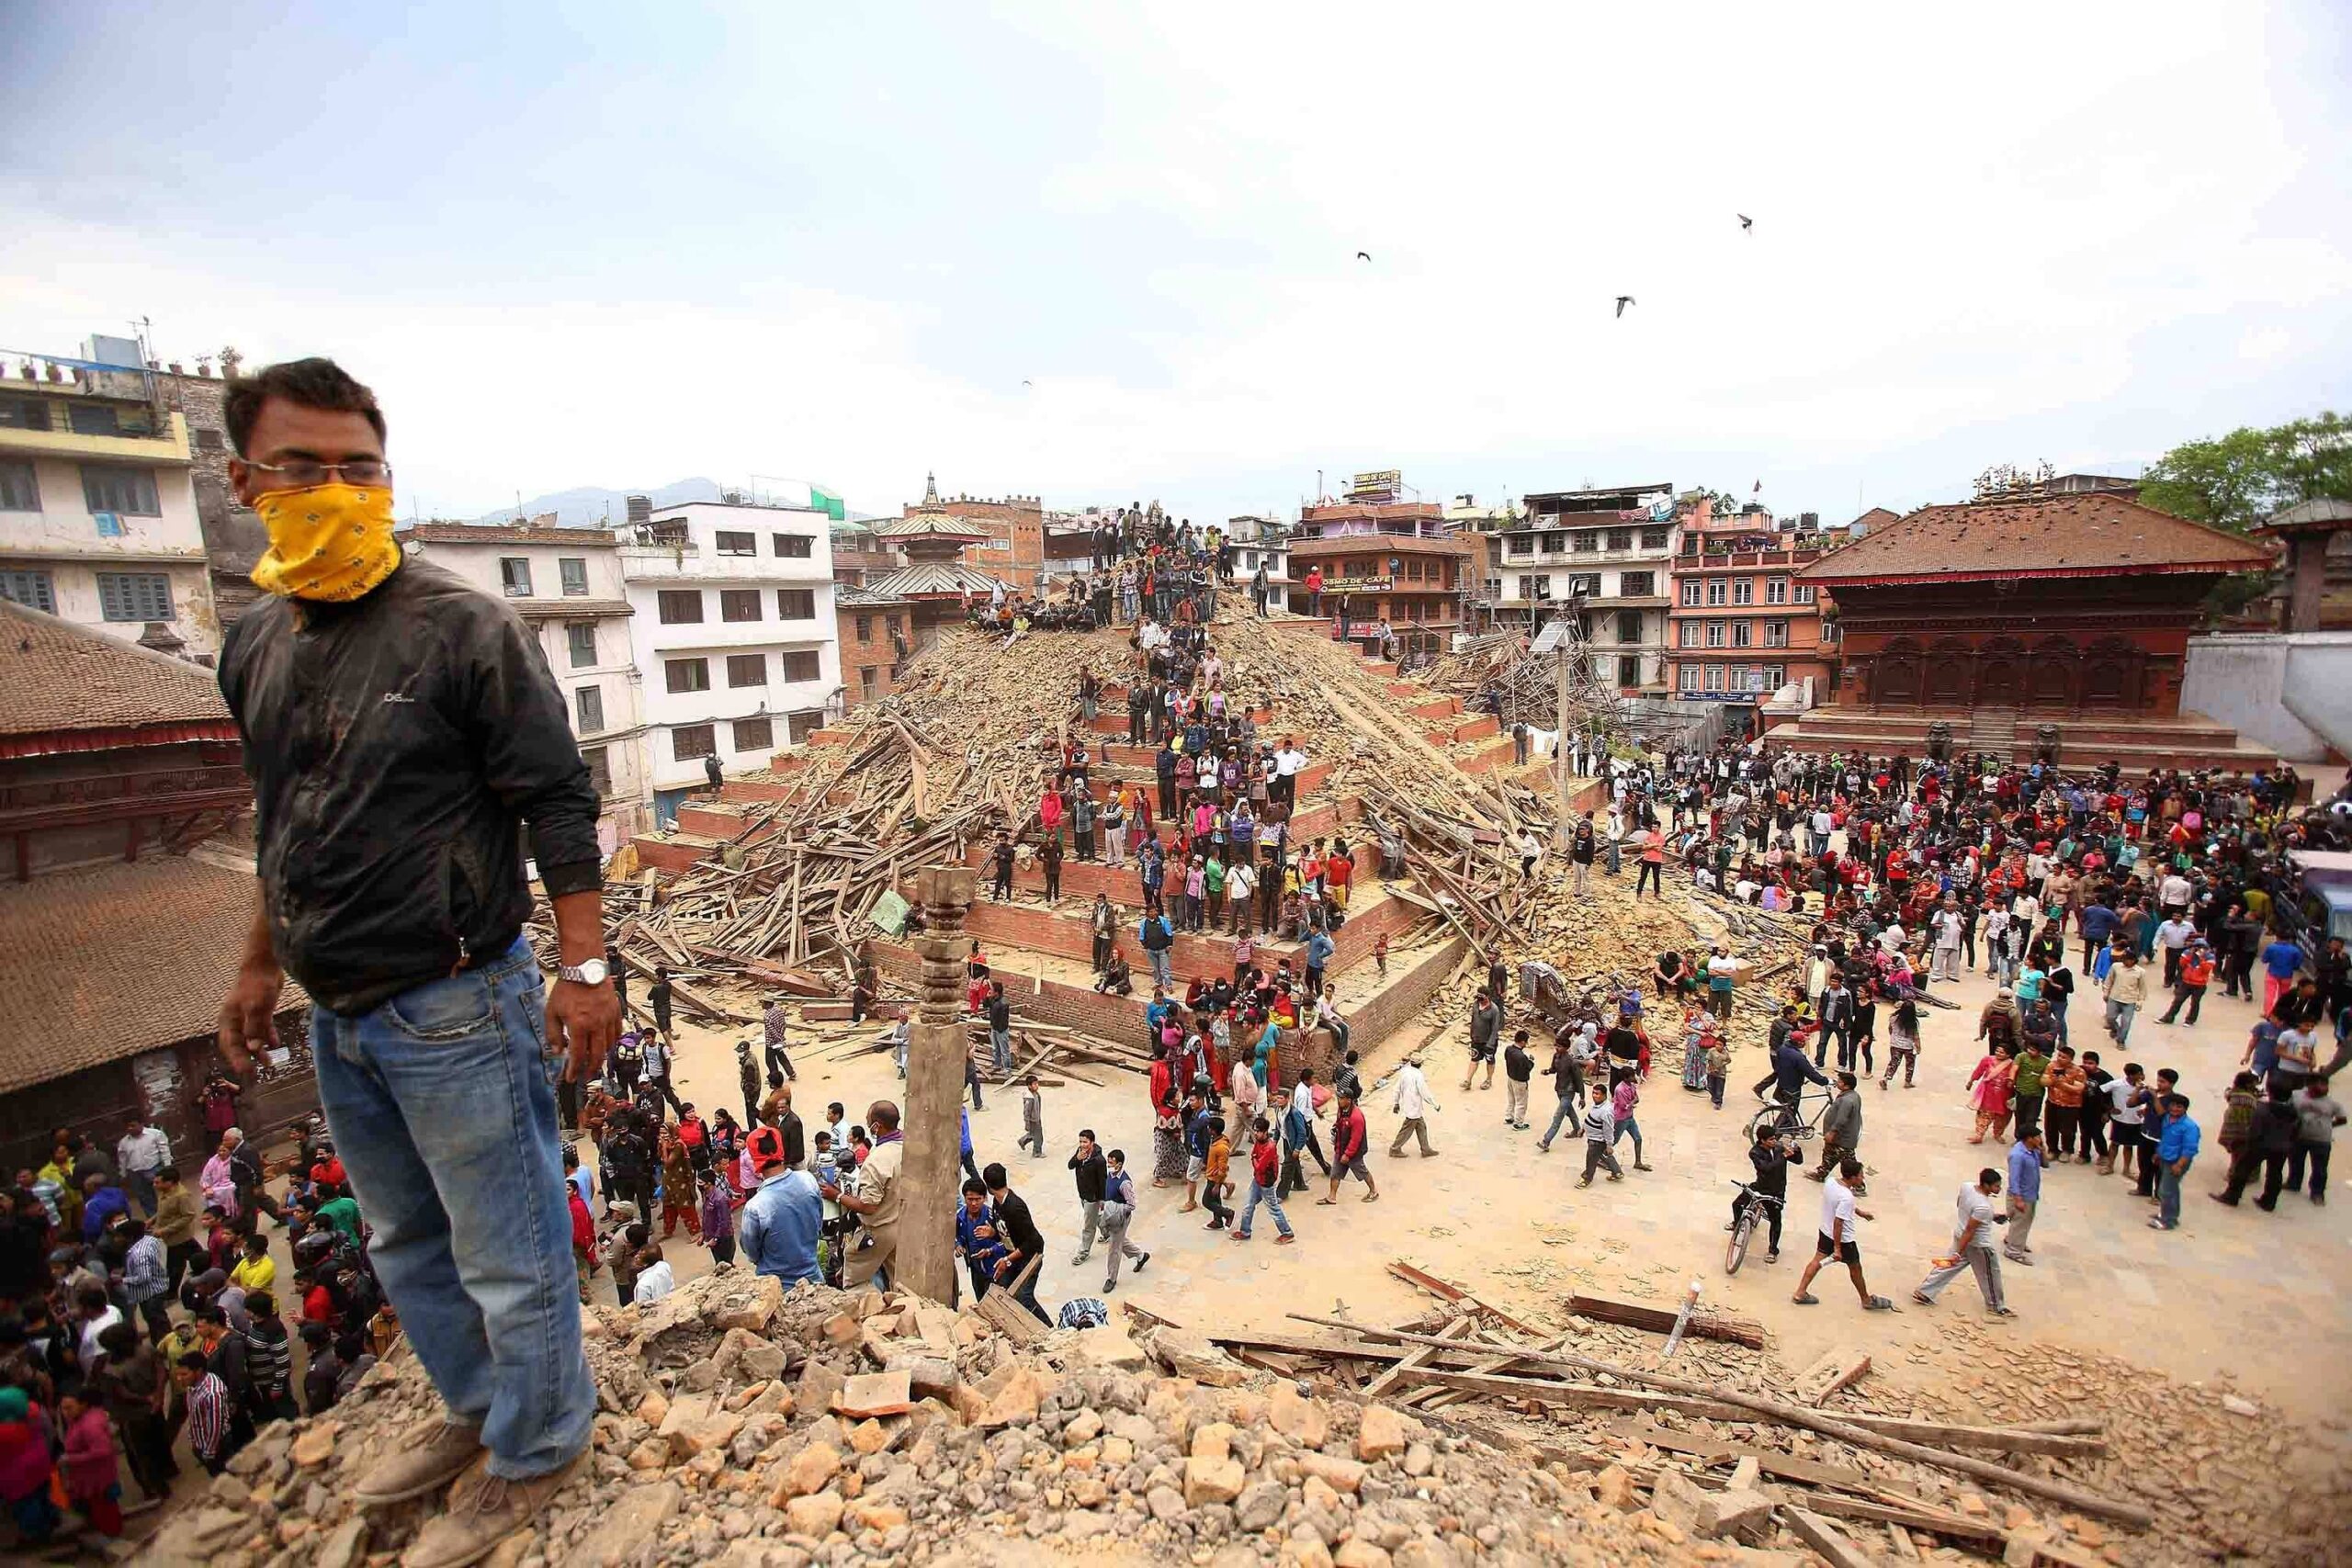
782 1219
1320 948
978 1240
2280 962
2097 925
2024 1196
2176 1152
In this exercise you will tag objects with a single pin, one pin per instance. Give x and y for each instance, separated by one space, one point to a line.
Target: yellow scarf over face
329 542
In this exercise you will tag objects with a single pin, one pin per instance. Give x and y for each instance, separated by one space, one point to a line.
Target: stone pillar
938 1046
2306 580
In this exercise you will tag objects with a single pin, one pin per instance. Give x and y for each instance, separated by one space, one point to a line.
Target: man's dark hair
311 383
2177 1102
972 1185
993 1175
194 1361
1988 1175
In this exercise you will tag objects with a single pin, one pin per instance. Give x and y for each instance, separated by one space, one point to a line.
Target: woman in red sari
1167 1129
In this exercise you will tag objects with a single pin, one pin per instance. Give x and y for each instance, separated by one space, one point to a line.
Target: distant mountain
589 507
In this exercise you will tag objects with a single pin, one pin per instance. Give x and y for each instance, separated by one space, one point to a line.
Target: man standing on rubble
400 728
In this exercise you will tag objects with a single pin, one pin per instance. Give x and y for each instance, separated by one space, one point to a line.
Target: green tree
2234 481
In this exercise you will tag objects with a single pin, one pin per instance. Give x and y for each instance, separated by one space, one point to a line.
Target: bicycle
1800 1122
1743 1229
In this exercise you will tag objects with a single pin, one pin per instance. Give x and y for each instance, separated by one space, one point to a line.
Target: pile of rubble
2031 1455
743 1425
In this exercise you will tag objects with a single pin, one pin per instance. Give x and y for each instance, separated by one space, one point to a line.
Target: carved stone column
937 1048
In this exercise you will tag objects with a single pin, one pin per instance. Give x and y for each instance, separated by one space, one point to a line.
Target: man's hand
248 1017
582 1023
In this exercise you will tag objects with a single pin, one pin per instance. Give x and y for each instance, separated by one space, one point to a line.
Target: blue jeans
439 1105
1273 1199
1001 1042
1565 1113
2168 1183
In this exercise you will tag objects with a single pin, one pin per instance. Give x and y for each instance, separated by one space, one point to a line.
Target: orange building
1741 626
1012 550
1393 561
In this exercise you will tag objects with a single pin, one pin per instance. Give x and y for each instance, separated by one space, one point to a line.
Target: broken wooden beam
1825 1538
1660 1319
1446 1291
1830 1426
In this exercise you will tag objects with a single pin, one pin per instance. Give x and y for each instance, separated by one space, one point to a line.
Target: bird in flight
1623 300
1745 222
1027 383
1363 256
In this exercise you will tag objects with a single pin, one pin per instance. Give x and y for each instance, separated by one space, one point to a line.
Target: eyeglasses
304 472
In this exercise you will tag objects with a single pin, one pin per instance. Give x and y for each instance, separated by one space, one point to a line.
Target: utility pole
938 1046
1560 747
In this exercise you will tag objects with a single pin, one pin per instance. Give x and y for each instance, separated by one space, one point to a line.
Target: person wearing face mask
401 728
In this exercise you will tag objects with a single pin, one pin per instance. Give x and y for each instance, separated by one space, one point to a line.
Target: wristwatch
593 973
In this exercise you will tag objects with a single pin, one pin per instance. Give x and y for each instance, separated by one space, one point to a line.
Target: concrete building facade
1603 554
99 521
566 586
1744 625
733 624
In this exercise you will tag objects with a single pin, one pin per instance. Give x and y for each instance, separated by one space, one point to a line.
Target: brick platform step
1085 878
1068 932
674 852
2138 745
1495 755
1410 986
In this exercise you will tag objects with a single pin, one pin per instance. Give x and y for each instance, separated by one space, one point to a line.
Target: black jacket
1091 1172
395 743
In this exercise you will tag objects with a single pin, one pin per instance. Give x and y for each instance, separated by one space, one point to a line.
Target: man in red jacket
1349 1140
1265 1165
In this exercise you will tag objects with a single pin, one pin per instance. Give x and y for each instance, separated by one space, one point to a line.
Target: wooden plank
1418 1356
1575 1395
1825 1538
1835 1370
1661 1320
1448 1291
1498 1363
1788 1467
1830 1426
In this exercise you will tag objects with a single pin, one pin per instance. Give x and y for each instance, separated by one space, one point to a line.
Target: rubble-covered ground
731 1432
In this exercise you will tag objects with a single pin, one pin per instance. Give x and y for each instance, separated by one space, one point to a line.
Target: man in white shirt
143 1151
1946 922
1288 761
1971 1248
2174 893
2171 937
1838 1238
1413 1103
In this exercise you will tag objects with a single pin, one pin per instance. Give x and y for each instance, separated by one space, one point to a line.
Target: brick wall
874 651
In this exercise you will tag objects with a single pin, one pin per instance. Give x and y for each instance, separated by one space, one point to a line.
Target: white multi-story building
97 512
1607 553
566 584
1259 541
735 630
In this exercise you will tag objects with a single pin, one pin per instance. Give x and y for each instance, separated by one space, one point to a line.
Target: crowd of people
2059 889
139 1305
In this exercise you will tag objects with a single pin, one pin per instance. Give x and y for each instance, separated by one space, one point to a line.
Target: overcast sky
1107 252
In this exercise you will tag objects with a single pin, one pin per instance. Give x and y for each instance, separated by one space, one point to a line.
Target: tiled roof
2064 536
932 578
850 597
57 676
931 524
119 959
508 534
